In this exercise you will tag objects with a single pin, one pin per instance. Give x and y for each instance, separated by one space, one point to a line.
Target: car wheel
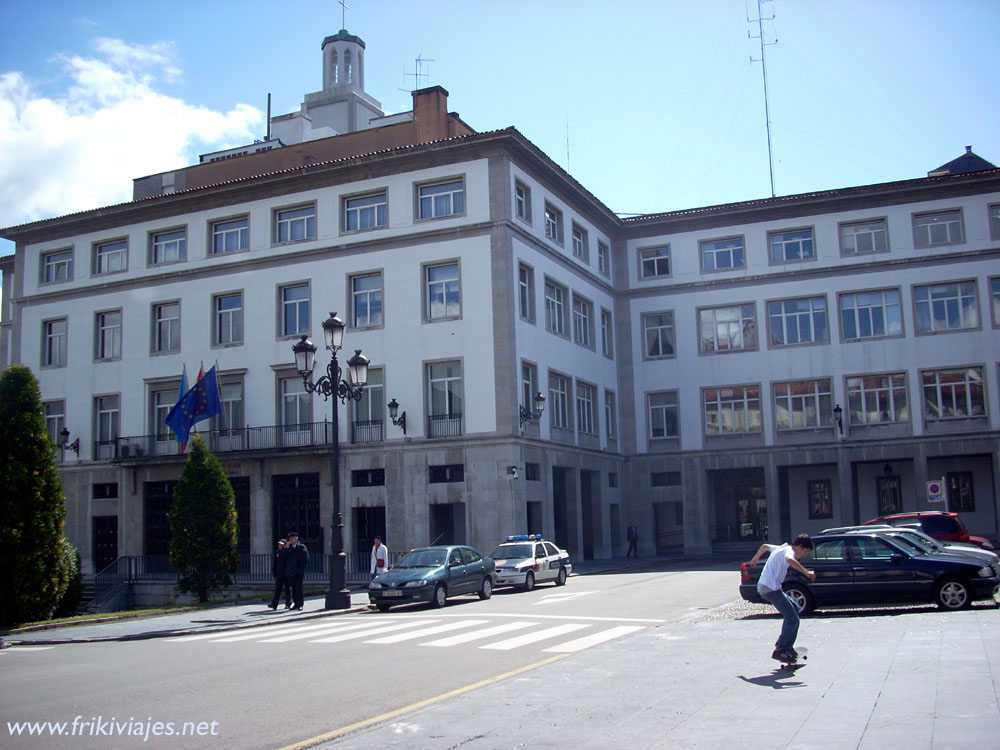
440 596
529 581
561 578
801 598
487 590
952 593
383 607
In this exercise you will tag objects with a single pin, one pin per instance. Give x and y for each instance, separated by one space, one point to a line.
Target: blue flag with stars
199 403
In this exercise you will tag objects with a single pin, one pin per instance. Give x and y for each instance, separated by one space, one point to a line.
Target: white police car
526 559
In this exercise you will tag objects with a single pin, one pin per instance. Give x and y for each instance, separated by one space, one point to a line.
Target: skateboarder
769 587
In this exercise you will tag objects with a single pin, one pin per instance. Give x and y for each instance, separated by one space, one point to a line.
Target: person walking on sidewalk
632 534
295 568
380 558
769 585
280 582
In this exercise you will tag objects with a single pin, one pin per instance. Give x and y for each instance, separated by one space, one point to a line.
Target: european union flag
201 402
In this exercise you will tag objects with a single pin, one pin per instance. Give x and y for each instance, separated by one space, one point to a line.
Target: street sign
935 491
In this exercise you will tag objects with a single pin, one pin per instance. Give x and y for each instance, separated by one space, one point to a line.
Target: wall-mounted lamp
393 411
512 472
887 469
539 405
838 417
67 445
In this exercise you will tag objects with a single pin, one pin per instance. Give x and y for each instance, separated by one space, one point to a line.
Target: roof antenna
763 64
417 65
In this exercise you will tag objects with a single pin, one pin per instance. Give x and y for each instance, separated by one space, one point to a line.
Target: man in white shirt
380 557
769 587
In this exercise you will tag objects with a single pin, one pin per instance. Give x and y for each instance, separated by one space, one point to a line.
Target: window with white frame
230 236
529 385
722 255
295 405
995 221
167 327
55 420
231 395
54 335
295 224
862 237
732 410
995 298
365 212
877 399
228 318
369 410
798 321
586 395
553 223
663 414
526 291
445 399
168 247
938 228
108 335
57 266
443 292
603 258
804 404
555 308
610 415
441 199
162 400
581 248
788 246
366 300
558 402
953 393
607 334
294 309
658 334
946 307
654 262
583 321
522 202
868 315
728 329
106 420
110 257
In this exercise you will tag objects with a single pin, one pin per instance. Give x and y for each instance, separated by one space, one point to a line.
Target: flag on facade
180 394
200 403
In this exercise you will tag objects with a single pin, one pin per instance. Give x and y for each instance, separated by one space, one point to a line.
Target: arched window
334 69
348 73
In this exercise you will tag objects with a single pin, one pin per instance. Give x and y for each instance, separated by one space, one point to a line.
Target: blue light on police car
524 538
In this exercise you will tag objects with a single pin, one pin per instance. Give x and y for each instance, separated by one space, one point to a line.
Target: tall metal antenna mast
763 64
418 74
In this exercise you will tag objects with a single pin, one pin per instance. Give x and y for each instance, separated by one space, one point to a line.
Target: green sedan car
432 574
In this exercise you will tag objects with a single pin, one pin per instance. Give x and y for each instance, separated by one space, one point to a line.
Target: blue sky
653 106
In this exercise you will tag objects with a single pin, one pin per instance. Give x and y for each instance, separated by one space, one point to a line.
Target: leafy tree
74 591
33 571
203 524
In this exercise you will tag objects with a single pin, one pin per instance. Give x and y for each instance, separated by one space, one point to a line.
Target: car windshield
915 537
423 558
512 551
909 544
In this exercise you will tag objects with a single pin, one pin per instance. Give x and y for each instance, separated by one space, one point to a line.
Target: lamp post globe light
333 384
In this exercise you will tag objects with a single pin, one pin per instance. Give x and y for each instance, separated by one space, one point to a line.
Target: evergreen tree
33 570
203 524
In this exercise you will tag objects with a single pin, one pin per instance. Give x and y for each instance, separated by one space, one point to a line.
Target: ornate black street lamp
537 413
333 384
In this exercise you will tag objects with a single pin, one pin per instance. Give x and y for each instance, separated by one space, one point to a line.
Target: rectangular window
104 490
581 248
877 399
228 319
168 247
296 409
664 479
654 262
995 221
792 246
558 402
441 199
446 473
869 315
553 223
586 395
961 497
295 224
995 298
57 267
522 202
725 329
555 308
230 236
862 237
368 478
532 472
55 420
732 410
444 381
583 321
54 335
663 414
108 335
295 310
365 212
161 402
106 418
803 405
946 307
443 292
953 394
797 321
526 292
603 259
610 415
820 493
369 410
231 418
529 385
366 300
889 491
722 255
607 334
658 334
938 228
167 327
110 257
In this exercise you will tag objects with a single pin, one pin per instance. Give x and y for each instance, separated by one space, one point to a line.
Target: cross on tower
343 13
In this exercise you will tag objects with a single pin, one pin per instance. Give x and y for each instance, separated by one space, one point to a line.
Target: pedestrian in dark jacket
278 571
295 567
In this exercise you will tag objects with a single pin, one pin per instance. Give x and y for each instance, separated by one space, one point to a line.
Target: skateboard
791 666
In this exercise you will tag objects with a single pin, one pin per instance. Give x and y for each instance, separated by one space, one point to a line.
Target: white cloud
82 148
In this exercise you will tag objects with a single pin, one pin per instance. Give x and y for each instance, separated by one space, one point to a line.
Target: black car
859 568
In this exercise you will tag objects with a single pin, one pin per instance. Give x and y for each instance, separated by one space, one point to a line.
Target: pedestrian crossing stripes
424 631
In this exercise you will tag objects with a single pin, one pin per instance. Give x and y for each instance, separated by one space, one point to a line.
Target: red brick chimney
430 114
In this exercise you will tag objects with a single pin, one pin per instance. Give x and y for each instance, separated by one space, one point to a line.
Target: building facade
720 375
